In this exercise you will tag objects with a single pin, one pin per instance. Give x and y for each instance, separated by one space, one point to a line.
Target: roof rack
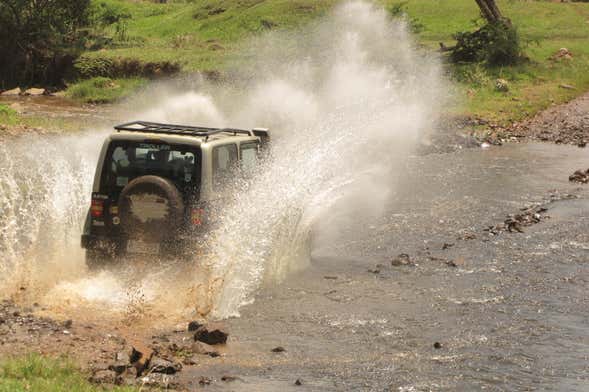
173 129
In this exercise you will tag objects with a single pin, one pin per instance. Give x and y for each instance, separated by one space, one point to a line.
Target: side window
249 157
224 161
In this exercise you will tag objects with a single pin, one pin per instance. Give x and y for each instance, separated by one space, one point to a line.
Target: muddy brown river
511 315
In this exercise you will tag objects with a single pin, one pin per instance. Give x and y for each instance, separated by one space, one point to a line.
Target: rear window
126 161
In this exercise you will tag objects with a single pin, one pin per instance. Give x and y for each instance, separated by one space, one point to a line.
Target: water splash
348 106
346 101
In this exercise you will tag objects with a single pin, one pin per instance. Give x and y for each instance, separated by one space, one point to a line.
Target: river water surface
513 314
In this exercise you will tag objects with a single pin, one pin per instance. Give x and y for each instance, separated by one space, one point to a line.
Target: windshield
126 161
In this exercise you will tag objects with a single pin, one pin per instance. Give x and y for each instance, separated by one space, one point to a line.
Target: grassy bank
544 25
39 374
204 35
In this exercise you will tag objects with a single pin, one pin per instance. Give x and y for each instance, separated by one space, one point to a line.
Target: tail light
97 208
197 216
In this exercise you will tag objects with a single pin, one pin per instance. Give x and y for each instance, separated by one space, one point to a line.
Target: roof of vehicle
181 134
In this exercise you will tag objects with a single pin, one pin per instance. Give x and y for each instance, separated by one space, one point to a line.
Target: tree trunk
490 11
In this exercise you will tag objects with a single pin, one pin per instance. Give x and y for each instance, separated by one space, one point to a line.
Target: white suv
155 183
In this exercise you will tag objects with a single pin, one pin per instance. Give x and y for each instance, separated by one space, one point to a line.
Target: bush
90 67
495 44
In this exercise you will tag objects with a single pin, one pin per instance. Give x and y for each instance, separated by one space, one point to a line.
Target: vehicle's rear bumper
118 245
90 241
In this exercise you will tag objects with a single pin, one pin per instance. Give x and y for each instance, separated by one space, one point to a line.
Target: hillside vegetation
131 41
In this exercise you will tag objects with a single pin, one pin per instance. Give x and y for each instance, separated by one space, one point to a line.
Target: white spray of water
349 105
347 101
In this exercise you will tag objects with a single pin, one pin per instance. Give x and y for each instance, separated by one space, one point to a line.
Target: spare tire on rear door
150 208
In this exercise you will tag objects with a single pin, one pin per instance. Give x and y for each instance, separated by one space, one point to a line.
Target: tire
151 208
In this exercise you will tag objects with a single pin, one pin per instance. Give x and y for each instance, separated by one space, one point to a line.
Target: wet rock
516 222
437 345
204 349
211 334
193 326
278 349
140 360
298 382
160 380
14 91
451 263
103 377
447 246
68 324
229 378
160 365
400 260
204 381
580 176
330 277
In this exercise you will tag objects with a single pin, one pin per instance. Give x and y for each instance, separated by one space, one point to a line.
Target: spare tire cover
150 208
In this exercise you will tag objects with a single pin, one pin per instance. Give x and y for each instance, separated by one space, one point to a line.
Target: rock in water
211 334
402 259
193 326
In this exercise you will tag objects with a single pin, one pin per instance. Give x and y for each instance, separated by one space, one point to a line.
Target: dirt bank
567 123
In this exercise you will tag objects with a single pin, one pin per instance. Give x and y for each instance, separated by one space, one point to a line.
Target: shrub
91 67
495 44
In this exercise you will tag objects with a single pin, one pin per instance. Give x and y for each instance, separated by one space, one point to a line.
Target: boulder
160 365
211 334
34 91
14 91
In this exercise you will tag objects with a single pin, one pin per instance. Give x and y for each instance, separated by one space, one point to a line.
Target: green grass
199 34
209 35
8 115
103 90
545 26
35 373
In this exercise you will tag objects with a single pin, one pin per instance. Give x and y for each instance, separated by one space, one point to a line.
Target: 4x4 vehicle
155 182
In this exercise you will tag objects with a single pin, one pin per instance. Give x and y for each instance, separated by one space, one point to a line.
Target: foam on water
347 99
